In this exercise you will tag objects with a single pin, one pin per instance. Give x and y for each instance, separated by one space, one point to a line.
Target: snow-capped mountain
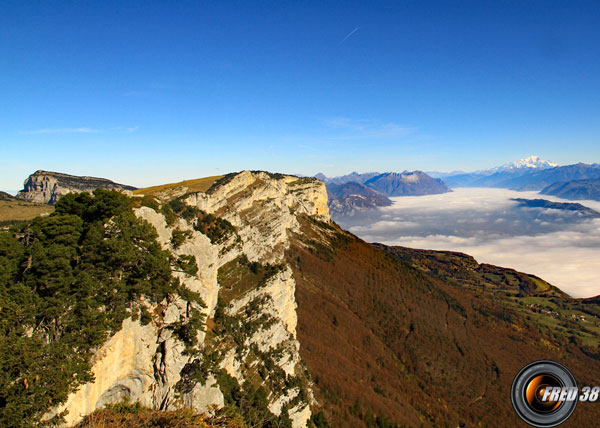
533 162
500 175
531 173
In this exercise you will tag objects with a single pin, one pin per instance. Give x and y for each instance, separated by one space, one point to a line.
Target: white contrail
348 35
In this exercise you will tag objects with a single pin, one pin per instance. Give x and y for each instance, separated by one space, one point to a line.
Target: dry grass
16 210
143 418
136 416
197 185
380 336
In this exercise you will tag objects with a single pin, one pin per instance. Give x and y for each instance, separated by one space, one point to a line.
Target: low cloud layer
561 247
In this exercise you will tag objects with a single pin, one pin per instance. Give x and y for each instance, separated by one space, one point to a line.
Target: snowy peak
533 162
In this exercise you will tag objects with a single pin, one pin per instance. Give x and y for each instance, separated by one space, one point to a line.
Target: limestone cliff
46 187
249 292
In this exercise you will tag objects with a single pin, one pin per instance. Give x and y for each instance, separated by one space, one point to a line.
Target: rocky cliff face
249 292
46 187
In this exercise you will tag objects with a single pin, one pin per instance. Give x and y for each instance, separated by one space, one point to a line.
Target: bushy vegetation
216 228
126 415
67 281
240 275
135 416
147 201
264 379
178 208
250 402
221 181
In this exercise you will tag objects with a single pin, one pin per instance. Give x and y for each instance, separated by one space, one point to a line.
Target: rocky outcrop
46 187
251 325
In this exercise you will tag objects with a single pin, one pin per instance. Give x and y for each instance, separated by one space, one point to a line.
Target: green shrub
67 281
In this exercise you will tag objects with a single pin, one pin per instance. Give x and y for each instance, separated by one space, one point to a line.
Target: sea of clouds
562 247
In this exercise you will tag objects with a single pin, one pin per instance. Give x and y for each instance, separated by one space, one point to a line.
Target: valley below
554 241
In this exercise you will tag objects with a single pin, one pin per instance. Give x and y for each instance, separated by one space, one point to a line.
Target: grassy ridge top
14 210
196 185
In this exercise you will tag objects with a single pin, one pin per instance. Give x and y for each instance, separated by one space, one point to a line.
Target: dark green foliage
102 206
178 237
273 175
67 281
239 327
251 402
198 370
187 264
182 209
170 215
150 202
252 273
216 228
178 208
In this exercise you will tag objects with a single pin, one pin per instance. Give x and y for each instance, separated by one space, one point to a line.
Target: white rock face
144 363
123 367
265 210
47 187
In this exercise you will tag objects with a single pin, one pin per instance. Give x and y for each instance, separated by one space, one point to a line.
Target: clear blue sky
150 92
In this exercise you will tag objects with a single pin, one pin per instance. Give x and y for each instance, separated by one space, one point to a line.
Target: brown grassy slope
380 336
15 210
197 185
135 416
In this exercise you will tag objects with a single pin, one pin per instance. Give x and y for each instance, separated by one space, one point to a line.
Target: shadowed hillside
384 338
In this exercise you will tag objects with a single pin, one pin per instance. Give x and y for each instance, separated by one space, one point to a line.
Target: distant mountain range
353 177
351 192
531 173
347 198
538 180
414 183
575 189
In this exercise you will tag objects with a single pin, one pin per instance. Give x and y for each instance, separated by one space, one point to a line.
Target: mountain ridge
48 186
575 189
303 317
525 178
415 183
347 198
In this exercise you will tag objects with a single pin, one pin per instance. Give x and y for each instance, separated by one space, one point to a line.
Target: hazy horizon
153 182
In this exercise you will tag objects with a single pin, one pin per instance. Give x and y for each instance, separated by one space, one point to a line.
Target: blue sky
152 92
